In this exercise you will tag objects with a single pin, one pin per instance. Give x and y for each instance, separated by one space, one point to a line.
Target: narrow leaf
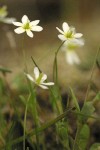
75 100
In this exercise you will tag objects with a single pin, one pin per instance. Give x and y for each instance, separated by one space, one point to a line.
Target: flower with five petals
39 79
68 33
69 47
27 26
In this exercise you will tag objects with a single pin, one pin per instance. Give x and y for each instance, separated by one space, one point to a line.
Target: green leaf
1 87
83 137
62 132
97 97
43 127
56 99
95 146
87 111
5 70
75 100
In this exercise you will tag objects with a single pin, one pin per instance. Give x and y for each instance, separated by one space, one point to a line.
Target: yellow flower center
38 81
70 33
72 46
26 26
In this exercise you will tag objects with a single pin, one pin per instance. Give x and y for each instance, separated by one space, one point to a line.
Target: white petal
29 77
25 19
74 42
81 42
8 20
43 87
29 33
36 28
72 57
69 58
65 27
62 37
76 59
78 42
60 30
19 30
44 77
36 72
17 23
78 35
34 23
48 83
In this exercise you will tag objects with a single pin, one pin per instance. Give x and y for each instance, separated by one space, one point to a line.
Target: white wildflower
68 33
39 79
27 26
69 47
3 16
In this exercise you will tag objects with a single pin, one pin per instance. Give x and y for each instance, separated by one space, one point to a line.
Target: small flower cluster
68 35
72 40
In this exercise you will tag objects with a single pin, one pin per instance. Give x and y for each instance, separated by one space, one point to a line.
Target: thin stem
2 139
76 136
36 126
55 66
91 75
55 101
35 114
59 47
55 78
25 122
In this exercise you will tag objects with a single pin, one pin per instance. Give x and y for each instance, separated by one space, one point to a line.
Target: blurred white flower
27 26
3 11
39 79
72 58
68 33
3 16
69 47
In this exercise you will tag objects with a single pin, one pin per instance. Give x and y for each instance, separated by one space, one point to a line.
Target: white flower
73 44
68 33
3 16
72 58
69 47
39 79
7 20
27 26
3 11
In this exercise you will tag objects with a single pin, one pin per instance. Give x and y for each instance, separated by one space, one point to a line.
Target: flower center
26 26
72 46
70 33
38 80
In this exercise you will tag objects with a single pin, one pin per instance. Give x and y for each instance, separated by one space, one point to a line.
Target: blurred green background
84 15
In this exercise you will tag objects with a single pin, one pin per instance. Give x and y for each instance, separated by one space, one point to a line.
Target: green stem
35 115
55 77
77 136
59 47
36 127
25 123
2 139
55 68
91 75
55 101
